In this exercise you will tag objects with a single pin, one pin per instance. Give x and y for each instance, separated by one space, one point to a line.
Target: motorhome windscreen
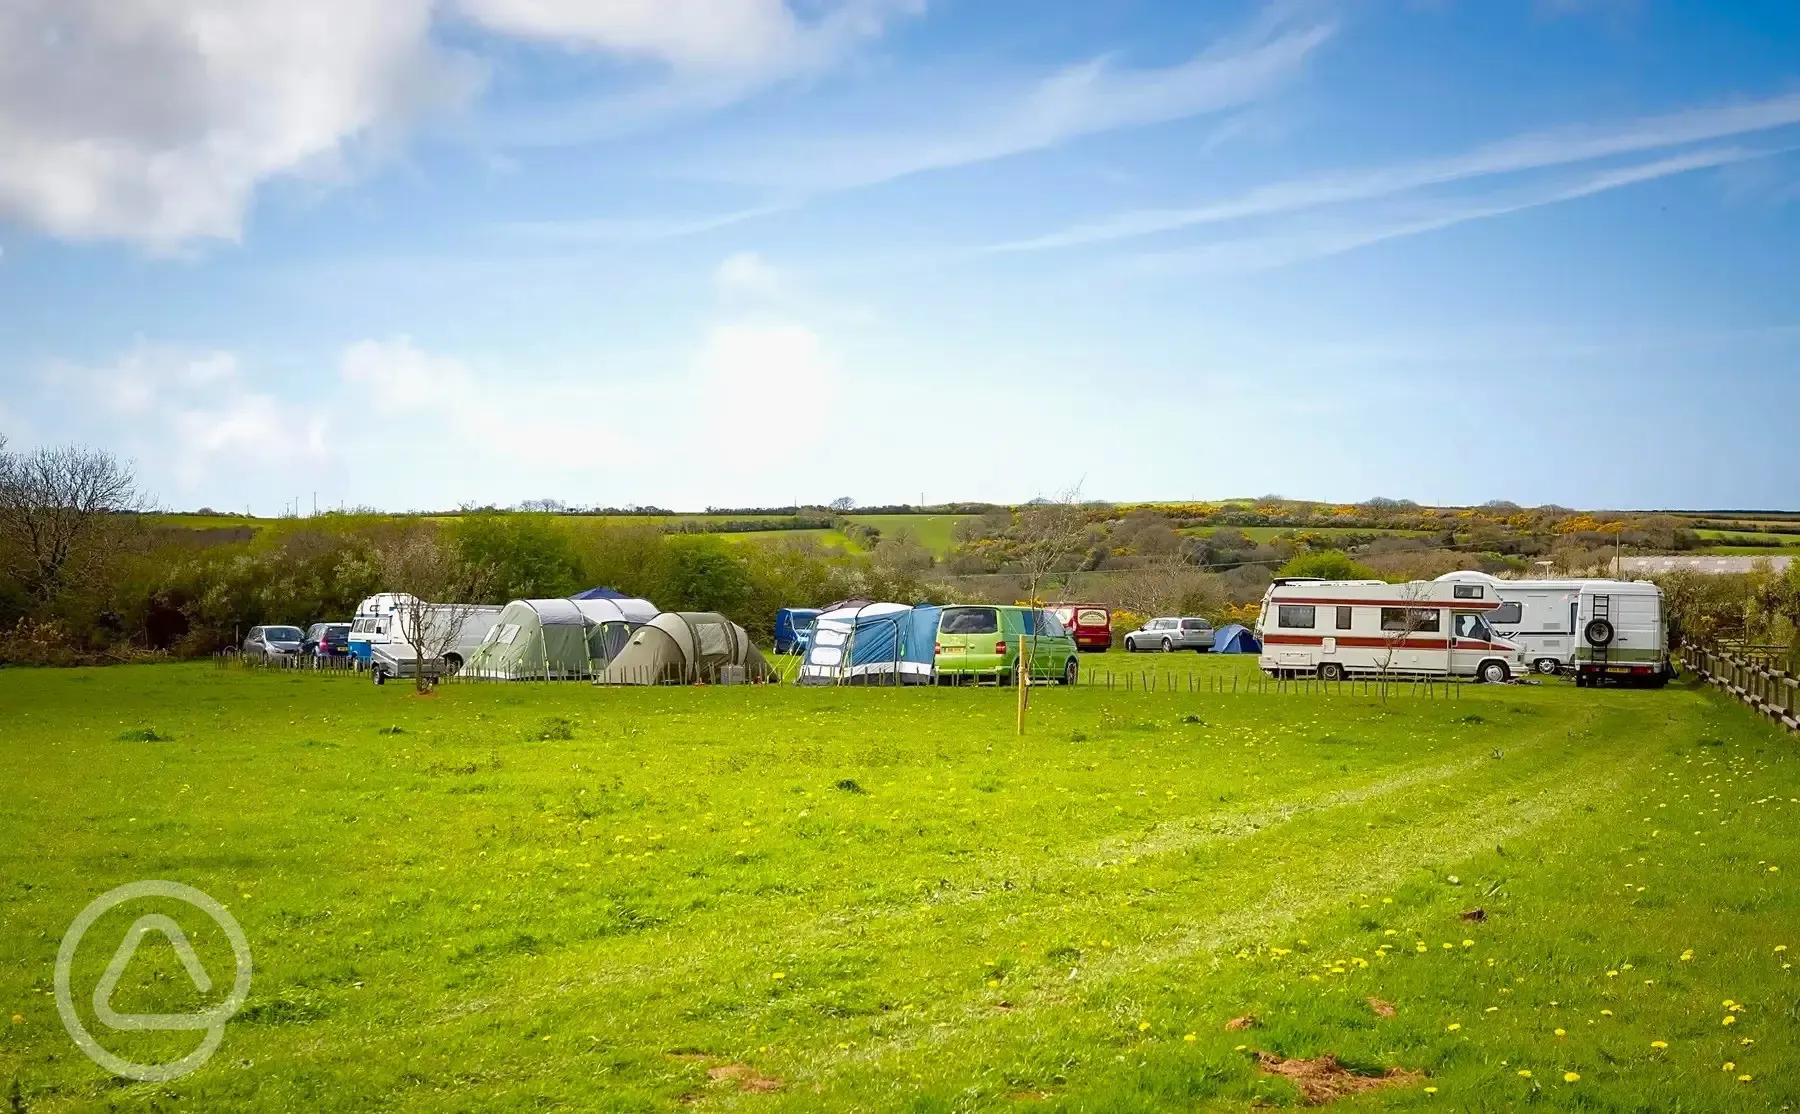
969 620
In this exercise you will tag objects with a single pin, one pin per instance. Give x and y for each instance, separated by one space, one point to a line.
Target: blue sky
694 252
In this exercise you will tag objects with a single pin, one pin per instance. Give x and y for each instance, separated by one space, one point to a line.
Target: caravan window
969 620
1468 591
1296 615
1509 613
1344 615
1410 619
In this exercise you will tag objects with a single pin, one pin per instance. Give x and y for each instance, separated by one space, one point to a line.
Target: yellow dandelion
1453 1027
1431 1090
1659 1044
1562 1032
1743 1079
1524 1073
1728 1066
1571 1077
1687 956
1468 943
1605 1013
1143 1025
1729 1020
1612 974
1780 948
778 975
1190 1038
1422 947
18 1019
993 982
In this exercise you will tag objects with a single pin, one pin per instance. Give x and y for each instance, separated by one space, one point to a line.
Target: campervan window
1468 591
1344 615
1298 615
1408 619
969 620
1509 613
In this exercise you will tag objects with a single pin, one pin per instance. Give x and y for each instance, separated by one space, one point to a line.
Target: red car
1089 624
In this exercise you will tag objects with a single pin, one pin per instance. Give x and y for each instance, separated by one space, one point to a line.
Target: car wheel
1495 673
1331 671
1071 670
1168 646
1130 646
1549 667
453 664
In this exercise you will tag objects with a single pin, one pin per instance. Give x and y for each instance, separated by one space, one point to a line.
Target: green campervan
982 642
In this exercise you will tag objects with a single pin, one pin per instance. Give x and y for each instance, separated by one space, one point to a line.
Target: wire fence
1149 681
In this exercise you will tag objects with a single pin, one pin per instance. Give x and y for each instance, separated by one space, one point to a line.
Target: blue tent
1235 638
791 626
600 594
875 644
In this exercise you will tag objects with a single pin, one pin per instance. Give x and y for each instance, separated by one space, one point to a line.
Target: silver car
1170 634
274 642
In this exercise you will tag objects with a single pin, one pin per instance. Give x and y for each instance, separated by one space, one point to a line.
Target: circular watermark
212 1020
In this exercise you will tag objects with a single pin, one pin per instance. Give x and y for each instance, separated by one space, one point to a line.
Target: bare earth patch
1381 1008
744 1076
1237 1024
1323 1079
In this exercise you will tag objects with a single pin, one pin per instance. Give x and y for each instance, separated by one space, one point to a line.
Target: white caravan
1334 629
1549 620
377 627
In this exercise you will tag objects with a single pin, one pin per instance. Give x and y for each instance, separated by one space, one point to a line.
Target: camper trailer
1334 629
377 629
1549 619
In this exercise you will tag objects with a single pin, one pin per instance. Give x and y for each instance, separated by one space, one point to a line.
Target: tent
872 643
535 638
600 594
1235 638
685 647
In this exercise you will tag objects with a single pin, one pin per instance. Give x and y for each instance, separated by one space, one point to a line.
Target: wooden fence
1750 674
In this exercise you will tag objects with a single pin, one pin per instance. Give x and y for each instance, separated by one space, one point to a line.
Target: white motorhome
1548 619
1334 629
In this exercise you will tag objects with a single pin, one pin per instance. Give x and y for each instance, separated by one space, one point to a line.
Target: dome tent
1235 638
685 647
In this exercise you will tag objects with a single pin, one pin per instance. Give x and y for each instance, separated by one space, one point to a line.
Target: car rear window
1195 624
1091 618
337 630
970 620
283 634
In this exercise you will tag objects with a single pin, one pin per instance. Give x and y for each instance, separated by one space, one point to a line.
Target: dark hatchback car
328 640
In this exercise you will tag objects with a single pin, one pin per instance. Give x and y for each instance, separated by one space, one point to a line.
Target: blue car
793 628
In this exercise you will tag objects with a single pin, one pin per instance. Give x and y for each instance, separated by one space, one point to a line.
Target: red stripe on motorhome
1422 605
1365 643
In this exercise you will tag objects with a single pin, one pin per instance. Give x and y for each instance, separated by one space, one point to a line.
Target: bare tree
843 504
62 511
437 587
1047 534
1167 586
1397 629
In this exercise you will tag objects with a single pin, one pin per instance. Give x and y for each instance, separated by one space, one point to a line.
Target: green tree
1327 564
703 573
527 555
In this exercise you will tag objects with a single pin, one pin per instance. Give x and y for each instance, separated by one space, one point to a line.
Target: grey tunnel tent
685 647
545 639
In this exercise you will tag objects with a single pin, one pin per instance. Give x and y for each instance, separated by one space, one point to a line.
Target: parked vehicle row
1166 635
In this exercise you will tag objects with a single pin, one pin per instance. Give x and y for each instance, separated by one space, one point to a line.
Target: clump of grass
144 735
1473 719
396 729
849 785
1078 736
554 728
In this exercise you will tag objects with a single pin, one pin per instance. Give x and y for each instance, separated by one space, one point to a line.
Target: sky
689 253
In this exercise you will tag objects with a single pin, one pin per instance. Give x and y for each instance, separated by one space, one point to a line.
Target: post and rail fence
1750 673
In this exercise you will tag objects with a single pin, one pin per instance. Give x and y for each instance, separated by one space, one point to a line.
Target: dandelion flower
1562 1032
1612 974
1468 943
1431 1090
1743 1079
1190 1038
1659 1044
1143 1025
1687 956
1605 1013
18 1019
1422 946
1728 1066
1571 1077
1453 1027
779 975
1780 948
1730 1019
1524 1073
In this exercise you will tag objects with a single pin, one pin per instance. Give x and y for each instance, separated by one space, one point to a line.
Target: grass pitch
530 897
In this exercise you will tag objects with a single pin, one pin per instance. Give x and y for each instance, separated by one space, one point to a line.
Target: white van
377 627
1624 634
1336 629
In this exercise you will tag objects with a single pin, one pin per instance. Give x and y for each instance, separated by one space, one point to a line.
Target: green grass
933 531
528 897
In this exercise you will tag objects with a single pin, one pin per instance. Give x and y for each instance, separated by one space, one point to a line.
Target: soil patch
745 1076
1382 1009
1323 1079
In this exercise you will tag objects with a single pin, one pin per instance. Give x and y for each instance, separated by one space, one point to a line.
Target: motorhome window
1410 619
1467 591
381 626
1510 613
970 620
1471 626
1344 615
1298 615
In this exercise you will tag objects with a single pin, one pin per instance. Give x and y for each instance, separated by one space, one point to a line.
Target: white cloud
1282 248
1535 151
1087 99
156 120
747 275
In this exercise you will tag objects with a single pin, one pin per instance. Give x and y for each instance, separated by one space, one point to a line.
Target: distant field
1265 533
1729 537
527 897
933 531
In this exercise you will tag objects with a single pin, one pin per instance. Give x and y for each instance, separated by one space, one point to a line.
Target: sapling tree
436 586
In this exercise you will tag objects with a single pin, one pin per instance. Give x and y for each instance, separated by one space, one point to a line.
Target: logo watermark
212 1020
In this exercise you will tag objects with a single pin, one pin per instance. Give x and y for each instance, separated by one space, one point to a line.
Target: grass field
535 897
933 531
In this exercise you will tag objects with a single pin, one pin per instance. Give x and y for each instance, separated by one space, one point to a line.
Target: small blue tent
791 626
600 594
1235 638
